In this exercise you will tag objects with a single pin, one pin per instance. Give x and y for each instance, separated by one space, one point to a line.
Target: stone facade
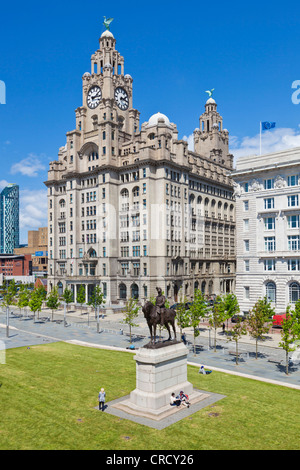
130 207
268 245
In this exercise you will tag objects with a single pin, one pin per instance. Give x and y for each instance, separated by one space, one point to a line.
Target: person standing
101 398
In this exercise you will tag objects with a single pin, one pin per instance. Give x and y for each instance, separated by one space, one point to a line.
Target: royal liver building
130 207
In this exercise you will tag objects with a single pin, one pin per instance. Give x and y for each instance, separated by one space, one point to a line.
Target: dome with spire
210 101
156 118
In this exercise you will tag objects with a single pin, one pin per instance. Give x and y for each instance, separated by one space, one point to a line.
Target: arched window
125 194
123 292
92 253
271 292
134 291
62 203
294 292
136 191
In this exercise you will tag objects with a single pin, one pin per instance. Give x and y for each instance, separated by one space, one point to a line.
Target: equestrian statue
158 314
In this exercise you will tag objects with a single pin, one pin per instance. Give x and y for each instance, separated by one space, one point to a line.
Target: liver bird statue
210 93
107 22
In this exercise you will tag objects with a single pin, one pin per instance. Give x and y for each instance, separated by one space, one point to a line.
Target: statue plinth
159 373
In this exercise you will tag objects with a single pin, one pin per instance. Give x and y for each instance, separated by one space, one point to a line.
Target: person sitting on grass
203 371
174 401
184 399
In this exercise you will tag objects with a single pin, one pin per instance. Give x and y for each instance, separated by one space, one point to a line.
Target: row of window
271 292
270 265
292 180
293 243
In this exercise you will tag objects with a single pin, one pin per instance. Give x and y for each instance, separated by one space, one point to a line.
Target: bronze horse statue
153 319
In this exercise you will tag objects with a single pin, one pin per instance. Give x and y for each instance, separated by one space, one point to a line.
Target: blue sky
248 52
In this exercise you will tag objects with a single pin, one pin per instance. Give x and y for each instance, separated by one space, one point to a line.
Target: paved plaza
113 334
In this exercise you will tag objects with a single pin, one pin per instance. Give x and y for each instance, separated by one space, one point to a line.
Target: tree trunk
256 353
287 363
237 354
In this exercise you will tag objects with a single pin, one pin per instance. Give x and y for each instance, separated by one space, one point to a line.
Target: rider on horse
160 305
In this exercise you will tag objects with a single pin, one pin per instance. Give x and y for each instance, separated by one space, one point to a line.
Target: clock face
94 97
121 98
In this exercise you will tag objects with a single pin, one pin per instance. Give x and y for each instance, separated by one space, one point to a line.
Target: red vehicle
278 319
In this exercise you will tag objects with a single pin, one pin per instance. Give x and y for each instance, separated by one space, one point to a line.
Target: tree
198 310
217 318
9 293
81 296
182 315
290 332
237 332
24 298
53 300
97 299
230 306
36 301
67 296
258 320
130 314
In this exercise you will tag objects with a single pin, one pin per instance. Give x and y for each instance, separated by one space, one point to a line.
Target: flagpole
260 137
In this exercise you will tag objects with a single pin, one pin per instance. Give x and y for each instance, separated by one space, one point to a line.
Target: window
246 245
136 252
294 292
104 252
293 221
269 203
123 292
144 188
270 265
247 293
125 269
293 201
136 192
246 206
136 269
269 223
247 265
294 243
271 292
246 187
293 180
270 244
294 265
269 184
246 225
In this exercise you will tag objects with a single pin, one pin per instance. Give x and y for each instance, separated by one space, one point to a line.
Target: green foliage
97 298
53 300
24 297
182 315
9 294
131 312
218 316
258 320
36 301
199 309
290 333
238 330
68 296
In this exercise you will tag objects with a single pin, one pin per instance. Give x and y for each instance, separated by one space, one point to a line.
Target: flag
266 126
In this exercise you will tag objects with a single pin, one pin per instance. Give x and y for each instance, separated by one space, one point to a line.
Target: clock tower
107 112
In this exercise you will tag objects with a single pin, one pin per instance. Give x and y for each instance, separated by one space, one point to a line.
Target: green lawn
48 394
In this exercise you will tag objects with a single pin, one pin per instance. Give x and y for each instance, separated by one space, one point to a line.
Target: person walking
101 398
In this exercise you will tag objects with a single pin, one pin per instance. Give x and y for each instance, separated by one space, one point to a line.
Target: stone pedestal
159 373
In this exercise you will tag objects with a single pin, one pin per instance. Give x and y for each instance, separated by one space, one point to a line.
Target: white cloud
29 166
272 141
3 184
190 141
33 211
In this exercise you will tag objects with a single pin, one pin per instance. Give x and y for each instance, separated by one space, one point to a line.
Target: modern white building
268 234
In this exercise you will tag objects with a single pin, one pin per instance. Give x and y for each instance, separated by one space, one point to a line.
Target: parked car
237 318
278 319
187 305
